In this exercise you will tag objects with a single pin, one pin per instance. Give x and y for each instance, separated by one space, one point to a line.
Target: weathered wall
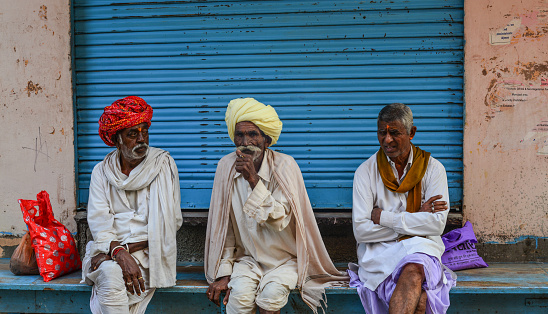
36 114
506 131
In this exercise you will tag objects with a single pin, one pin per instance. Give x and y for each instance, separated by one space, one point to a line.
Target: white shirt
378 251
261 224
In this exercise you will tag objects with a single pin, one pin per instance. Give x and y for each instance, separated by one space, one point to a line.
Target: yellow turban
248 109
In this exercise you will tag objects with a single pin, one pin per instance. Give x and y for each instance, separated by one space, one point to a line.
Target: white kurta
142 206
261 225
378 250
120 216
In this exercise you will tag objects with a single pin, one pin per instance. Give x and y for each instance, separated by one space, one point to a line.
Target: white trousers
251 287
109 293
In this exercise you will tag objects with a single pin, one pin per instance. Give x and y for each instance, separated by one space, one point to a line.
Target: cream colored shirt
378 251
261 224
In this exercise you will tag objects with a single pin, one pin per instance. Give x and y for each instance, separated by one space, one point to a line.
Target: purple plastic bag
460 251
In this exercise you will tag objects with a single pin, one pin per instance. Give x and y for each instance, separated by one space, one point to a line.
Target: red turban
123 113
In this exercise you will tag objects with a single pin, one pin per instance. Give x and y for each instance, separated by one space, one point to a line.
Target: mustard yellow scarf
412 181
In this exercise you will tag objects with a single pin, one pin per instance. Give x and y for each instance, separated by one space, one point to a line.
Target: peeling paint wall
36 112
506 129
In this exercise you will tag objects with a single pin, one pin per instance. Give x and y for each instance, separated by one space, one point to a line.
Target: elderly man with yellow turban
134 213
262 238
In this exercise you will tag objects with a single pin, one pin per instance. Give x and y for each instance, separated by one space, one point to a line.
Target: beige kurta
260 225
315 269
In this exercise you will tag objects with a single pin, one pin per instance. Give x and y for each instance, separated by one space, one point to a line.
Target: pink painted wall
506 126
36 115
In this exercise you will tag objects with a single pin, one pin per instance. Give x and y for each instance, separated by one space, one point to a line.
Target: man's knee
273 296
413 271
110 277
242 292
242 295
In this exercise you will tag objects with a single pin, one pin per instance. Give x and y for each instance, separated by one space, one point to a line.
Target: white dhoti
109 293
250 287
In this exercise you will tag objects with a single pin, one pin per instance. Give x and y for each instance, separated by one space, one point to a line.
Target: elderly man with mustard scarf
400 206
262 238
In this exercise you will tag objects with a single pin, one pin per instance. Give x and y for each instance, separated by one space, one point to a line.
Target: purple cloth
376 302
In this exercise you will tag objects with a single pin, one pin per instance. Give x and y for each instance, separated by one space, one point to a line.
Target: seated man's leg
273 297
408 296
275 287
109 293
421 307
243 288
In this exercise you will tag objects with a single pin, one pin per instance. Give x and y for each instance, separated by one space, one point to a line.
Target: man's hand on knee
216 288
97 260
131 272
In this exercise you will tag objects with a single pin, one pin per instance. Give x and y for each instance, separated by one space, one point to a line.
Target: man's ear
267 139
412 133
116 139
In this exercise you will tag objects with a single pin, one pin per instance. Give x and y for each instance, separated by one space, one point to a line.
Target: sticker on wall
526 26
503 36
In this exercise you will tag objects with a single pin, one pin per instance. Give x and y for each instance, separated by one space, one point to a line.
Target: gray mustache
252 148
145 145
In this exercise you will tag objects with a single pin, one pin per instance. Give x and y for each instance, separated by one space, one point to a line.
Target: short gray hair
119 136
397 112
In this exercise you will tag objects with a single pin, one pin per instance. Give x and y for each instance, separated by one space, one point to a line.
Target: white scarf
158 172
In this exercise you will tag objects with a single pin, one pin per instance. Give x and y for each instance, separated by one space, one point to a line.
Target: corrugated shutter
327 67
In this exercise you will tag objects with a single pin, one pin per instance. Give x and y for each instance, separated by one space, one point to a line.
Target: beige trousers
250 286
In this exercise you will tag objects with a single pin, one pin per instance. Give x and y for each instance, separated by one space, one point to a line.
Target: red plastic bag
55 249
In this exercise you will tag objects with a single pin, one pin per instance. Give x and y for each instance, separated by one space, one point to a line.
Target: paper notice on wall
503 36
519 90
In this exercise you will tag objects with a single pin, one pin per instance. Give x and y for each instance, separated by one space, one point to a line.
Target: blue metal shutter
327 67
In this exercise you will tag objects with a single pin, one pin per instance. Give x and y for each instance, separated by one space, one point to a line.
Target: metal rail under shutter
327 67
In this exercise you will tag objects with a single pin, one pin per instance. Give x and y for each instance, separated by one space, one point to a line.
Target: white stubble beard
132 155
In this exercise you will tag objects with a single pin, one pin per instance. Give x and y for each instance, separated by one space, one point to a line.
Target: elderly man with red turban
134 213
262 239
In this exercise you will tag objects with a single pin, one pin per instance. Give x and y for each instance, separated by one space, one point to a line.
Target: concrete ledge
529 249
335 227
454 219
